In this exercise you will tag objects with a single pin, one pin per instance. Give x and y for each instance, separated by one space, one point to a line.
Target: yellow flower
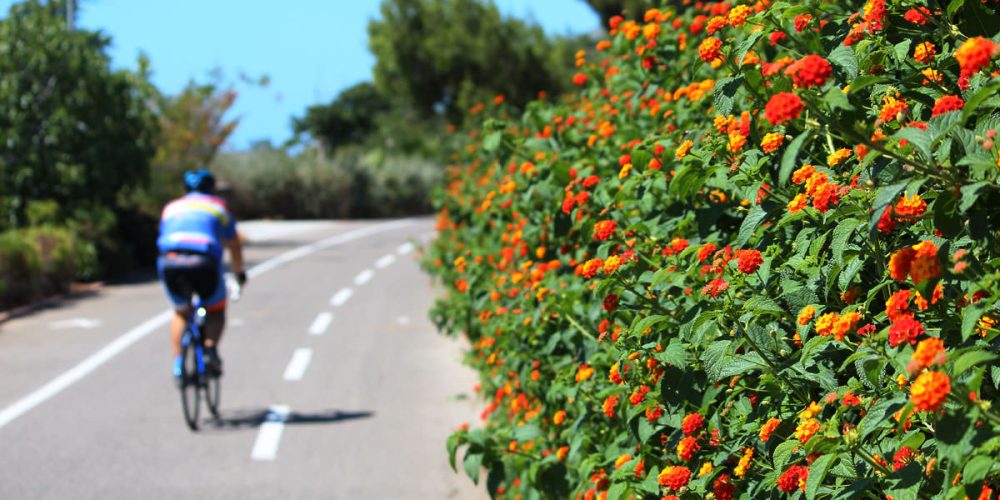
838 156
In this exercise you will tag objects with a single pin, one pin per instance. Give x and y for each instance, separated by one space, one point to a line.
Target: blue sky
310 49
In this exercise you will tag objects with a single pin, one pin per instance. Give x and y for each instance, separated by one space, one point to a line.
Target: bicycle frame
192 333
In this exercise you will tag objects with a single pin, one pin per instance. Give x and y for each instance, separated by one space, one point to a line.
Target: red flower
930 390
610 302
905 329
715 286
793 478
902 457
692 423
946 104
917 16
974 54
722 488
604 229
749 260
579 79
782 107
811 70
674 477
801 21
706 251
776 37
709 50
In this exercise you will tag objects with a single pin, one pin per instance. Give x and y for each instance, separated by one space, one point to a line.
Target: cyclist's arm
235 254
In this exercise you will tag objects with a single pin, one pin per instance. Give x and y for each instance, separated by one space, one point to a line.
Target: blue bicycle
196 377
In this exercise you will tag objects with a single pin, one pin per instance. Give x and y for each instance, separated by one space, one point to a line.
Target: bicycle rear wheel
190 394
213 391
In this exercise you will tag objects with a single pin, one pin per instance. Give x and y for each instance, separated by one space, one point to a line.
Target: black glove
241 278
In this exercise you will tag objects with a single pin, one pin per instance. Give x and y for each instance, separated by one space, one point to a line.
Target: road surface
330 345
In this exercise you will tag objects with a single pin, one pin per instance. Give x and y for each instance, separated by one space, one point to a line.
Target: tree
439 56
71 129
350 118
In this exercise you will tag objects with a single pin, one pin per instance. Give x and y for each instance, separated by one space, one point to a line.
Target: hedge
755 255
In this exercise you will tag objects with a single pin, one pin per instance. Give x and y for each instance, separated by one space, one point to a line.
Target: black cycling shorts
186 274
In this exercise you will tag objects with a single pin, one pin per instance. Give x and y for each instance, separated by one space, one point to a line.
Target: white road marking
364 277
385 261
91 363
321 323
297 366
86 323
269 435
403 320
341 297
235 322
405 248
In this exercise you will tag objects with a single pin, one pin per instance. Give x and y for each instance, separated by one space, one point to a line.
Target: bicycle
195 376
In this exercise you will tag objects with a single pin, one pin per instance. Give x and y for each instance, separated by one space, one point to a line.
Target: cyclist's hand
241 278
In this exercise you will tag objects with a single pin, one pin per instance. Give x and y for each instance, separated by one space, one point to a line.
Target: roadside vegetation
754 255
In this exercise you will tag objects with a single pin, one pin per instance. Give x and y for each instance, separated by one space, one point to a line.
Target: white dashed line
405 248
297 366
403 320
321 323
364 277
385 261
340 297
266 446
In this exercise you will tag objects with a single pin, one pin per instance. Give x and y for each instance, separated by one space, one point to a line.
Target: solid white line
341 296
269 435
364 277
321 323
405 248
91 363
385 261
297 366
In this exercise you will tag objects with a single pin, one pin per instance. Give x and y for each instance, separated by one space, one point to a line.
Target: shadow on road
250 418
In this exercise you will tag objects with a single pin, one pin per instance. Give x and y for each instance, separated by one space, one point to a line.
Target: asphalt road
88 408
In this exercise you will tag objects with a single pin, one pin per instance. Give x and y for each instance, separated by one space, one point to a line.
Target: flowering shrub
756 254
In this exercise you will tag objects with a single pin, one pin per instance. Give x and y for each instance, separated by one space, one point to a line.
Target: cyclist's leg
180 297
215 306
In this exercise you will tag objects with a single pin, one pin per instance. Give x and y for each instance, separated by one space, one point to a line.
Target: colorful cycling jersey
196 223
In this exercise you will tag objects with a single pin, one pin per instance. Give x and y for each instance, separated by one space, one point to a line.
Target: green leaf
790 157
817 473
841 234
904 484
492 141
714 358
495 478
855 489
976 99
970 195
783 452
970 359
920 140
881 411
954 436
527 432
954 7
748 44
977 469
725 89
835 98
844 58
750 222
473 464
617 491
675 354
758 304
647 322
970 319
902 50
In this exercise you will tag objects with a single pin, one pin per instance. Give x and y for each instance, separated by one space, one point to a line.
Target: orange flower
974 54
709 50
824 324
804 173
738 15
771 142
782 107
692 423
768 428
900 262
584 372
892 108
799 202
622 460
911 206
844 324
806 315
806 429
674 477
924 52
810 71
928 352
604 229
925 263
609 406
897 304
590 268
686 448
683 149
744 464
930 390
612 263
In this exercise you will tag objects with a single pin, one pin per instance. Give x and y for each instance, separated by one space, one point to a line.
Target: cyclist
194 230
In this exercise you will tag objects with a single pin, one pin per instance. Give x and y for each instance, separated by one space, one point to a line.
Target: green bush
40 261
20 268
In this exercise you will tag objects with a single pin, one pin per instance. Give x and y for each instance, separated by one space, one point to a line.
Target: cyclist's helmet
201 181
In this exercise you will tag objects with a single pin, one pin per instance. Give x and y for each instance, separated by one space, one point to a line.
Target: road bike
196 377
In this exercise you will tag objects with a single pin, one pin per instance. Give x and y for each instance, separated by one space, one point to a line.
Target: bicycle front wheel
190 394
